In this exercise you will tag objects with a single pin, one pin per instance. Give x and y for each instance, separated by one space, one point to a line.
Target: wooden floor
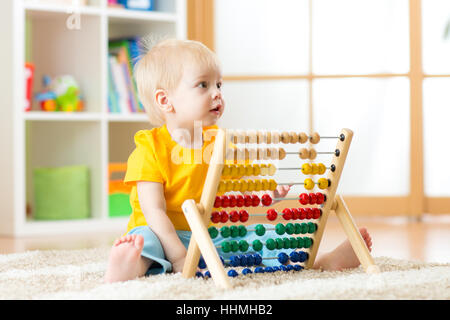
397 237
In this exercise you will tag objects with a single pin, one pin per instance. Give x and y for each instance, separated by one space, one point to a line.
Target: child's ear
162 100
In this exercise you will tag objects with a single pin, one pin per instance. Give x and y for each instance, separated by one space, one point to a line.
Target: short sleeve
142 163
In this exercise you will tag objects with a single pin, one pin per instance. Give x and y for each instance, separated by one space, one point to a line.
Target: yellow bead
315 168
229 185
264 170
306 168
251 185
309 184
258 185
256 170
248 170
226 171
234 171
323 183
272 185
244 185
264 184
236 185
272 169
322 168
222 186
241 170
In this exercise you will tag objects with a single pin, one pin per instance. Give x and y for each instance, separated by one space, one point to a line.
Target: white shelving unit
93 137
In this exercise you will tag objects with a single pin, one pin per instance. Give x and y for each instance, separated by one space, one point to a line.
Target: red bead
287 214
248 200
225 202
320 198
234 216
239 201
295 213
304 198
243 215
215 217
271 214
223 216
302 213
233 201
312 198
316 213
309 213
255 200
266 200
218 202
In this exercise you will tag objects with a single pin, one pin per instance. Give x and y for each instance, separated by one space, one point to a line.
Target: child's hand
279 192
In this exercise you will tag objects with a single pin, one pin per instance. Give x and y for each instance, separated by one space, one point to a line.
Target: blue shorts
153 249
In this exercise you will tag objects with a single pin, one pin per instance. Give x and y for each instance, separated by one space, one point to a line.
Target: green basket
119 205
62 193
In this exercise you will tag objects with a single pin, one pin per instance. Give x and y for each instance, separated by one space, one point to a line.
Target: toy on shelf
146 5
60 94
29 76
119 193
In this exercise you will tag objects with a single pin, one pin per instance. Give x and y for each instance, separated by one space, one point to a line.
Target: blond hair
162 68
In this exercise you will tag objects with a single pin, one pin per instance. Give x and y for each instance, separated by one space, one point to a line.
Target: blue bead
232 273
268 269
259 270
246 271
302 256
298 267
289 267
275 269
221 259
243 262
282 257
207 274
235 261
284 268
250 260
201 263
294 256
258 259
199 274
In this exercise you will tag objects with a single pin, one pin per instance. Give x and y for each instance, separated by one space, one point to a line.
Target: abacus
305 225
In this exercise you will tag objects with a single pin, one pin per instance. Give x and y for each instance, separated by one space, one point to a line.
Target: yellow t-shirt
182 172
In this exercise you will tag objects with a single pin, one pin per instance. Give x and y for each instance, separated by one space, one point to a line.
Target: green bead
298 228
226 247
279 229
286 243
257 245
308 242
311 227
234 245
260 230
270 244
293 243
242 231
304 228
225 232
243 245
290 228
234 231
300 242
280 243
213 232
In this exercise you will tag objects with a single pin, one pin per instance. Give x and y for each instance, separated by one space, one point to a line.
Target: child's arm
153 205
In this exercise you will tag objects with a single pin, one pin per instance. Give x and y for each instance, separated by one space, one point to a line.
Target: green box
119 205
62 193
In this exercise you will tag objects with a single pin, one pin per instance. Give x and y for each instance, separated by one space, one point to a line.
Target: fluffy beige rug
77 274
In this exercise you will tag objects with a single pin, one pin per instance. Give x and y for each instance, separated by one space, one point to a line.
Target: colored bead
255 200
297 267
256 170
215 217
283 268
320 198
264 184
279 243
312 198
312 154
257 245
323 183
234 232
242 231
225 202
221 259
309 184
304 228
201 263
268 269
246 271
232 273
236 185
233 201
287 214
272 185
258 259
226 247
315 138
280 229
244 185
292 243
223 216
234 216
260 230
266 199
300 242
290 228
229 185
298 228
271 214
248 200
222 187
302 213
235 261
321 168
295 213
272 169
302 256
306 168
250 260
309 213
286 243
241 170
213 232
303 153
243 215
234 171
243 245
225 232
316 213
270 244
239 201
218 202
250 185
311 227
308 242
198 274
303 198
289 267
263 169
275 269
243 260
234 245
226 171
207 274
315 168
293 256
259 270
258 185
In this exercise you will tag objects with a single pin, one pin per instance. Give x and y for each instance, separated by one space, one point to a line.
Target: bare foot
343 256
125 262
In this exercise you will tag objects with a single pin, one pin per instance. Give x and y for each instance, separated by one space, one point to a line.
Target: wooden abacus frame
198 215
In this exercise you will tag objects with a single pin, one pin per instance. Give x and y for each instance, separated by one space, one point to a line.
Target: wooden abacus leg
201 235
354 236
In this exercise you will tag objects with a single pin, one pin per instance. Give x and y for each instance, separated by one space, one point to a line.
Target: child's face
198 96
